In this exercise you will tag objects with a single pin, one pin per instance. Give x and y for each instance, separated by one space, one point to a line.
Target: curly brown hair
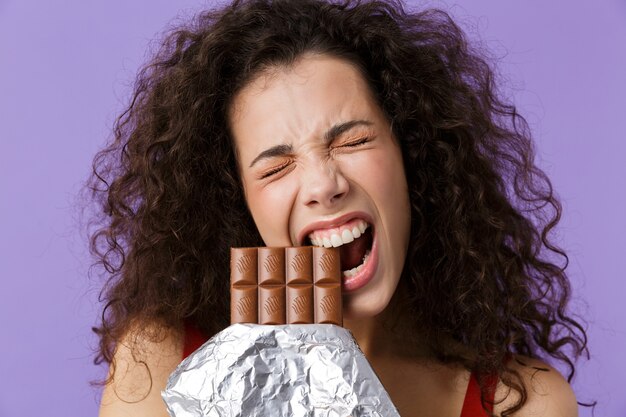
477 270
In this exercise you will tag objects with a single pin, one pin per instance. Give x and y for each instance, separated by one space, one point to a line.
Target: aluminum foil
312 370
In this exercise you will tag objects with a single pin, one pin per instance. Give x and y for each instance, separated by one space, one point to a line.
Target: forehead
301 101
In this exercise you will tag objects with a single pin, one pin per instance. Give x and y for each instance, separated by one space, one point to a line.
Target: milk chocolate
272 305
326 265
271 285
327 286
243 304
300 304
297 285
299 265
243 285
327 304
271 266
243 266
298 262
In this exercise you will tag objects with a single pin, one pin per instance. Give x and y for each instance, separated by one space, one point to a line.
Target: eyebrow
329 136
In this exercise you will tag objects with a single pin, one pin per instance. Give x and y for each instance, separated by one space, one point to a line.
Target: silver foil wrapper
313 370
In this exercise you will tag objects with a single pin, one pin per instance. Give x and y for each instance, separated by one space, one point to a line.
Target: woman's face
320 165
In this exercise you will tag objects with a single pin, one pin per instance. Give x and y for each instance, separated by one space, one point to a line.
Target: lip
337 221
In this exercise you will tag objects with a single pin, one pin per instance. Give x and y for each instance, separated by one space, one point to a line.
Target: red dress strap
472 406
194 338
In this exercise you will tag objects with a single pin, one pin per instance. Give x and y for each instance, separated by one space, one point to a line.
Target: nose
323 184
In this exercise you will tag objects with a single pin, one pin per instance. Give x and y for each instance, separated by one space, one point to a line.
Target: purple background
66 71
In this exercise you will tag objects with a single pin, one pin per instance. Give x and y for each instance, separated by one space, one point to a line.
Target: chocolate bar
294 285
243 285
271 281
299 282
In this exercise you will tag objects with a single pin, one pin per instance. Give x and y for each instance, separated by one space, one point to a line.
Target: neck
370 335
383 336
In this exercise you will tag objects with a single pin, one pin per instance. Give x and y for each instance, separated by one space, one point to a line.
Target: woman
357 125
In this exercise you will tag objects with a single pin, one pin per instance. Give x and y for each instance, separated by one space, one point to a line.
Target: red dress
471 405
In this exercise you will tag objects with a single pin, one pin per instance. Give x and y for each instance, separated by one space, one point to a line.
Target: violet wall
66 71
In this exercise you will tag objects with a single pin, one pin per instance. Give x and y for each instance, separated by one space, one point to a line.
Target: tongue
352 253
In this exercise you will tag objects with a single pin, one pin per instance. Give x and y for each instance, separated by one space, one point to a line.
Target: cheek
385 179
385 182
270 207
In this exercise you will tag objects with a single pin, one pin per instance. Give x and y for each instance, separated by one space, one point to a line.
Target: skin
321 181
318 181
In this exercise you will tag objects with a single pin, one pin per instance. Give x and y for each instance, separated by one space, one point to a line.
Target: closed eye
356 143
273 171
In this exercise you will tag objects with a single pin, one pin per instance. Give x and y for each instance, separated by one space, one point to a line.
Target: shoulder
144 358
548 392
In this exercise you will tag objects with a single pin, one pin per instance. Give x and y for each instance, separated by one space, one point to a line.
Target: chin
370 300
363 307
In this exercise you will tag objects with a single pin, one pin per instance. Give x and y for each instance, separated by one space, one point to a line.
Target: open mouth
354 254
354 241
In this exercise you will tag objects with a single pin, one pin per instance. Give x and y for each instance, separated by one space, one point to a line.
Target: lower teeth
355 270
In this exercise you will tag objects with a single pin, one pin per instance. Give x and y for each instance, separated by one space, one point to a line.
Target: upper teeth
340 235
